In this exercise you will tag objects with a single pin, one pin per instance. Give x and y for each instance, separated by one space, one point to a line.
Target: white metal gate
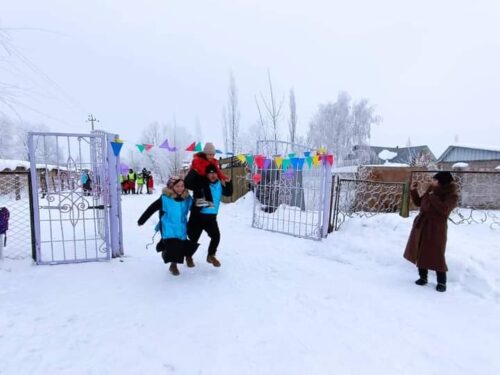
291 198
76 213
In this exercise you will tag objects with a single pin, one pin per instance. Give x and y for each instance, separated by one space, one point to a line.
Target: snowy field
278 305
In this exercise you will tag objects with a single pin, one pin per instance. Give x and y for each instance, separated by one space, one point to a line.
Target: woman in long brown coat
427 243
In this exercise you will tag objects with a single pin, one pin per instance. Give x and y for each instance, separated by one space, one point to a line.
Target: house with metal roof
469 157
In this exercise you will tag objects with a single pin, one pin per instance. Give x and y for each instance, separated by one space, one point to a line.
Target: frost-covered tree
341 125
292 123
231 119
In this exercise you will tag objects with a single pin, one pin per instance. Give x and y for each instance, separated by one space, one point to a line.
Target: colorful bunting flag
309 161
140 147
278 160
292 155
329 158
295 162
242 158
300 164
286 164
307 154
148 147
191 147
117 146
249 159
267 163
259 161
198 147
316 160
166 146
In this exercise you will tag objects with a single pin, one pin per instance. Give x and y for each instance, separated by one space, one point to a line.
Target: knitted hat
209 148
172 181
210 169
444 178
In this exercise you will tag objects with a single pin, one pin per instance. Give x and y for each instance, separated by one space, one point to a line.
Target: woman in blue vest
173 205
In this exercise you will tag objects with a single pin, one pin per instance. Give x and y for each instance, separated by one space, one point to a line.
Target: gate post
115 224
327 188
34 203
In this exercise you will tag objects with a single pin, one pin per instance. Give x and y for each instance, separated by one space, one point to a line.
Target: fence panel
479 196
364 198
14 194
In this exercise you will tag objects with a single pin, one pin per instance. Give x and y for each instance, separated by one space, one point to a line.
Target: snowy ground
278 305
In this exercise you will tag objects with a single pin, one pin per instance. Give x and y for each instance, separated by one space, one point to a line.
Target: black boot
441 279
423 277
441 287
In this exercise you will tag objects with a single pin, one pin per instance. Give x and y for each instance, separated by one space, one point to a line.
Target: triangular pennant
286 164
292 155
295 162
198 147
148 146
167 146
191 147
117 146
140 147
316 160
242 158
249 159
309 161
278 160
267 163
329 158
300 164
259 161
307 154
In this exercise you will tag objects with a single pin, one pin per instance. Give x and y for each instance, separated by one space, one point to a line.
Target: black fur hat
211 169
444 178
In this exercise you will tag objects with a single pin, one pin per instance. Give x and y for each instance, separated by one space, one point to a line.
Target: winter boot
441 287
421 281
189 262
173 269
213 260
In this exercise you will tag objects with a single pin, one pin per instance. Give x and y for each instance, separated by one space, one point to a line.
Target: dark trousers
208 223
441 276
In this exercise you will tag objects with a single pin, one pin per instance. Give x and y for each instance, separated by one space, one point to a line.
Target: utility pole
92 119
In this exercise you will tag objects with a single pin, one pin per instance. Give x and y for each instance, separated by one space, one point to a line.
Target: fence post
326 199
405 204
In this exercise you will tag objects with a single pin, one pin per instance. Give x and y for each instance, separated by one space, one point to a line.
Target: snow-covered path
278 305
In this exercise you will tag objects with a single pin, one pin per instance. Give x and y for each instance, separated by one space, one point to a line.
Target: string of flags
286 163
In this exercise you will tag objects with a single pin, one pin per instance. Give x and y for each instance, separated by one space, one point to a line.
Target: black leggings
441 276
208 223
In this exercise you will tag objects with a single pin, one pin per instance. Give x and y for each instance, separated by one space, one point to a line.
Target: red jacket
200 164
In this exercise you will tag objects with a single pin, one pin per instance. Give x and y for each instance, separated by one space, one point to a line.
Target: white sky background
432 68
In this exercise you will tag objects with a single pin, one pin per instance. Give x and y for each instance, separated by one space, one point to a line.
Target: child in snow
206 218
173 205
196 178
150 185
427 243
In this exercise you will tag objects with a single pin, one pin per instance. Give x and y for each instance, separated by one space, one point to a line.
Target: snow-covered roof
464 153
387 155
460 165
12 165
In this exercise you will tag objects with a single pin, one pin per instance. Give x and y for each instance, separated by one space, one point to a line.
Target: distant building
469 157
418 156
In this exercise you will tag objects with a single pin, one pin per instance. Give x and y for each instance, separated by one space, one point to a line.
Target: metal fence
290 200
14 194
364 198
479 196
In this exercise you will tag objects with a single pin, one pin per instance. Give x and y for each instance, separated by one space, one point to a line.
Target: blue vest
173 222
216 189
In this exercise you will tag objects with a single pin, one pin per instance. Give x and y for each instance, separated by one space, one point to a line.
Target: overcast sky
432 68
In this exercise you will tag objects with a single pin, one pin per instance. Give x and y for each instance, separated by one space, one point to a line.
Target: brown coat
427 242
